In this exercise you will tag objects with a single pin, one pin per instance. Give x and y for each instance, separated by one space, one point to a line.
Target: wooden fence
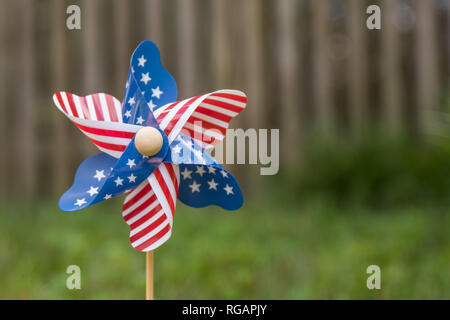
305 65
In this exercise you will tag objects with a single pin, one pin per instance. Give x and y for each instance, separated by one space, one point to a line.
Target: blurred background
364 148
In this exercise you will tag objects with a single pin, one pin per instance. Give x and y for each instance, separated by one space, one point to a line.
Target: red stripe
106 132
207 125
148 229
140 208
153 239
173 177
98 107
166 111
192 134
109 146
147 216
230 96
72 105
214 114
165 189
85 108
224 105
61 102
111 108
137 197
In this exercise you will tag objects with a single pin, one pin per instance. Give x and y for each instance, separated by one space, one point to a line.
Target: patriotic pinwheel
154 149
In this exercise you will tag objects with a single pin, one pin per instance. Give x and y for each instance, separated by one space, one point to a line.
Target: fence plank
153 26
3 101
92 75
122 44
186 43
58 73
358 65
321 66
290 87
391 72
27 156
426 64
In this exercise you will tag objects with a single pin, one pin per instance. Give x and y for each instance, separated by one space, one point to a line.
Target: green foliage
269 250
378 171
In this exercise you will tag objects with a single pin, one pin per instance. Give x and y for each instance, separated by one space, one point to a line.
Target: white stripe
147 223
161 196
210 119
118 107
166 176
171 114
104 106
91 107
229 101
114 126
135 191
108 139
76 101
137 203
143 212
149 235
218 109
163 239
182 120
66 103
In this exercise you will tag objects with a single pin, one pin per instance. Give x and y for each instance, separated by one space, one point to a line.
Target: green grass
269 250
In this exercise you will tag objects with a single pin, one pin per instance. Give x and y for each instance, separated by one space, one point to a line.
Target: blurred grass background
348 207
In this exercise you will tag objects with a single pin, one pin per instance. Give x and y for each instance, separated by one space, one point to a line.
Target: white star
200 170
99 175
92 191
156 92
131 101
211 170
132 178
127 113
118 181
131 163
176 149
146 78
80 202
195 187
228 189
107 196
139 120
224 173
151 105
212 184
143 92
186 173
127 84
142 61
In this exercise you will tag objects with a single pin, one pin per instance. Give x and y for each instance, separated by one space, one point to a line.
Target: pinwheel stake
154 151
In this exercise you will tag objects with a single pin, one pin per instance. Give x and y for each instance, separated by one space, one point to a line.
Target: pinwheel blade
98 116
149 209
201 186
149 86
204 118
102 177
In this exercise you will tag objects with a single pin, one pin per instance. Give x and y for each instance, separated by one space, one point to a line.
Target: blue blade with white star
102 177
204 185
149 86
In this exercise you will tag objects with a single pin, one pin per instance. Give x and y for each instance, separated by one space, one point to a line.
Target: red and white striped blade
149 208
98 116
204 118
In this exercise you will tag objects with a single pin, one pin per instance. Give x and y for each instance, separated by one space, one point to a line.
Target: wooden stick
149 282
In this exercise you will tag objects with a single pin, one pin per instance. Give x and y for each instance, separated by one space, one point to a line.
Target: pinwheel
155 149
